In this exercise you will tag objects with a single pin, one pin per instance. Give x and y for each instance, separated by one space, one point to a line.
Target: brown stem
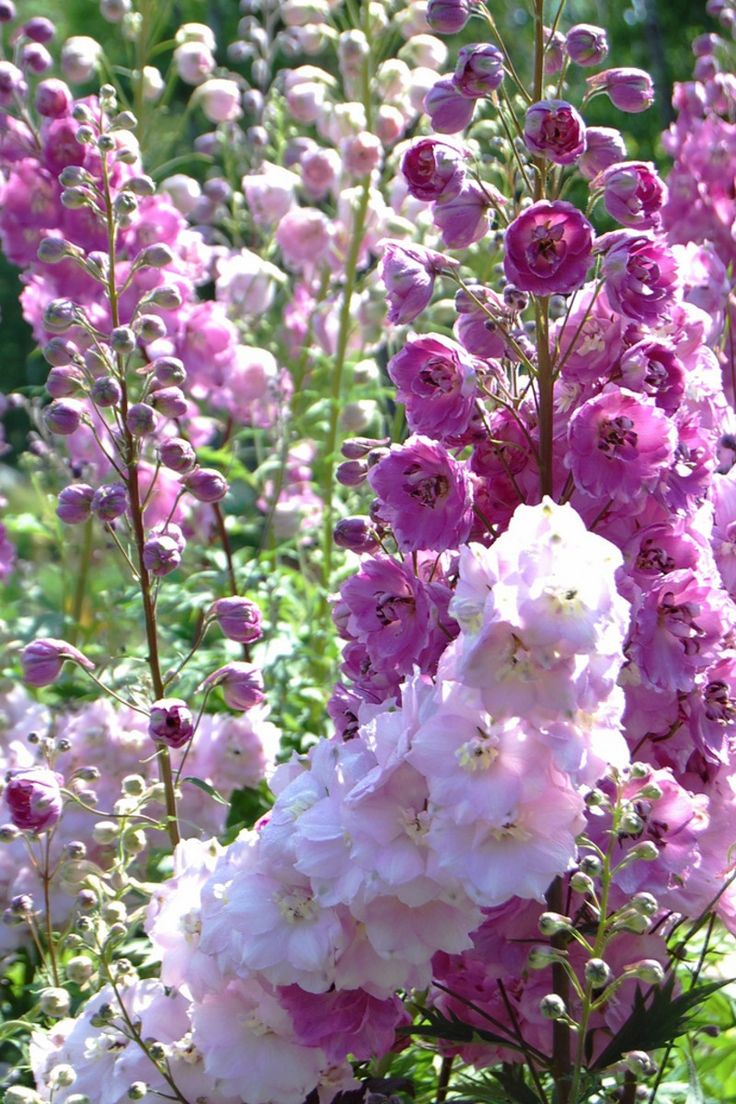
130 457
443 1081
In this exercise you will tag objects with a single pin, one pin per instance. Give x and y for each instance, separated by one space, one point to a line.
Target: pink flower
424 495
34 798
171 722
435 379
433 169
219 99
633 193
409 272
554 129
344 1022
43 659
678 630
654 369
548 249
448 16
304 236
620 446
641 277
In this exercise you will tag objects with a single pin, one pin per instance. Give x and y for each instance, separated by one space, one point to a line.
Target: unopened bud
553 1007
646 851
648 970
134 785
54 1002
105 832
645 903
597 973
80 969
651 792
114 912
542 956
631 824
62 1076
137 1090
638 1062
581 883
639 771
551 923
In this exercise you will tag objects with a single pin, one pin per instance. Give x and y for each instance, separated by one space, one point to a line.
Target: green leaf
695 1094
208 789
657 1019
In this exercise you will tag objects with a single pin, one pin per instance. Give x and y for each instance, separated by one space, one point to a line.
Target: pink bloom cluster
93 749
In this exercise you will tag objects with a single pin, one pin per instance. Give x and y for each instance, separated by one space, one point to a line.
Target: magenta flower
409 272
619 445
548 249
239 618
432 169
170 722
241 683
43 659
678 630
554 129
449 111
475 329
342 1022
177 454
424 495
34 798
479 70
641 277
435 379
629 90
634 193
654 369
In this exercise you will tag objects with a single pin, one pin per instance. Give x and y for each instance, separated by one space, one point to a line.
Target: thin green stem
80 588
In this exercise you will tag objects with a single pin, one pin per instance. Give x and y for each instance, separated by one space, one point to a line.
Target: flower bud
74 503
177 454
106 391
219 99
239 619
241 683
553 1007
165 297
542 956
639 1063
629 90
170 401
63 416
169 371
551 923
59 352
648 969
7 11
150 327
586 44
141 419
581 883
171 722
64 380
631 824
356 534
53 250
134 785
351 473
110 501
79 58
59 315
448 16
448 110
54 1002
597 973
137 1090
62 1076
105 832
20 1094
645 903
80 969
43 659
479 70
206 484
161 556
8 833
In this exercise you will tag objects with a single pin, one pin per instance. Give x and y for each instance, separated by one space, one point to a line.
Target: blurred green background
651 34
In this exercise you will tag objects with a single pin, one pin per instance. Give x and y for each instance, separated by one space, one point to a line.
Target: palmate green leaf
452 1030
494 1087
657 1019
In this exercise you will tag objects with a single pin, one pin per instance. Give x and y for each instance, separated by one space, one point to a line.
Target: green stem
81 584
351 267
545 383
